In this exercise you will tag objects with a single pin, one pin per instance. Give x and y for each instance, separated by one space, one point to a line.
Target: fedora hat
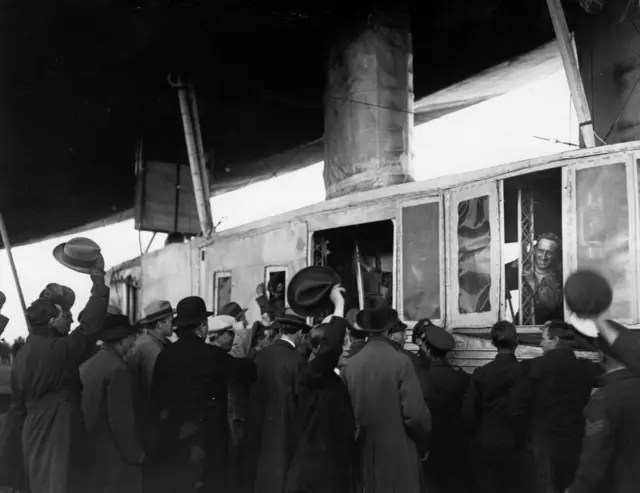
289 317
79 254
59 295
115 328
155 311
233 310
309 290
379 320
190 310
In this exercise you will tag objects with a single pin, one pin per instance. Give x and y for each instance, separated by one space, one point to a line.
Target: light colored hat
220 323
157 310
79 254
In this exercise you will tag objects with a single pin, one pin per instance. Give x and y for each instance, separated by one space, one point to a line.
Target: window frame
452 199
569 211
399 255
216 294
269 269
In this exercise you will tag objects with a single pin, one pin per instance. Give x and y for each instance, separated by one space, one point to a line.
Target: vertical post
7 246
571 70
202 194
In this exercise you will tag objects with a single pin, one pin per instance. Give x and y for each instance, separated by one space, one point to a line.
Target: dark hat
115 328
439 338
309 290
587 293
289 317
400 326
233 310
41 311
60 295
379 320
420 329
155 311
504 331
191 310
79 254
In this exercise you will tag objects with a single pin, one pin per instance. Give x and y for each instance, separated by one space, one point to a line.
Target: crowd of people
284 407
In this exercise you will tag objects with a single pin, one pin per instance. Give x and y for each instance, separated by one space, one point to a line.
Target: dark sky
81 80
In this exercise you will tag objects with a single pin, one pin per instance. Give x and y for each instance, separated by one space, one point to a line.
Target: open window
532 248
221 289
363 256
474 255
275 280
602 203
421 260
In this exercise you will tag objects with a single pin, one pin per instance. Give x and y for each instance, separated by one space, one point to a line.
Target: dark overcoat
322 461
45 420
190 382
610 459
271 433
445 388
561 385
114 443
392 420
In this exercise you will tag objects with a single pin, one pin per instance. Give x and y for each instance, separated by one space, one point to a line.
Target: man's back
392 419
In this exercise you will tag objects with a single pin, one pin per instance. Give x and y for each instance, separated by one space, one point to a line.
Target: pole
571 70
202 197
7 246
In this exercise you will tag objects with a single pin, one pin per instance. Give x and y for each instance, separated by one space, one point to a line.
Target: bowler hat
79 254
588 294
379 320
289 317
155 311
439 338
115 328
233 310
190 310
309 290
59 295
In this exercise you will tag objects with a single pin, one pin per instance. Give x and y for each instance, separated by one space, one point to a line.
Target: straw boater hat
79 254
221 323
190 310
156 311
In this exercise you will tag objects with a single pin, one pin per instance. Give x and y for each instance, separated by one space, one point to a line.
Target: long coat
114 443
45 420
322 462
271 433
393 422
190 382
610 459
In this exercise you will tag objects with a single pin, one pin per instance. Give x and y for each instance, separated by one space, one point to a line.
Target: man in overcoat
114 448
271 435
45 415
610 458
190 386
446 385
561 385
496 407
393 422
323 459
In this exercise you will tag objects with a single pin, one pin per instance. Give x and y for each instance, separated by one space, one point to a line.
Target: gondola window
421 261
222 291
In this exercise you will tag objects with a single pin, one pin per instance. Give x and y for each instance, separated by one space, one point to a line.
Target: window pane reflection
603 230
421 261
474 255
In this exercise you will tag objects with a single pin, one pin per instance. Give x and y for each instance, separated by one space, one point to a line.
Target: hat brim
181 322
58 254
322 305
153 319
295 323
585 326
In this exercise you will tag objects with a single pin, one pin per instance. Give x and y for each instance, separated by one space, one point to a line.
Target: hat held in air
79 254
309 291
588 295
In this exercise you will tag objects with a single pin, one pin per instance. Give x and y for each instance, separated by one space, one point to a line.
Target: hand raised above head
337 294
